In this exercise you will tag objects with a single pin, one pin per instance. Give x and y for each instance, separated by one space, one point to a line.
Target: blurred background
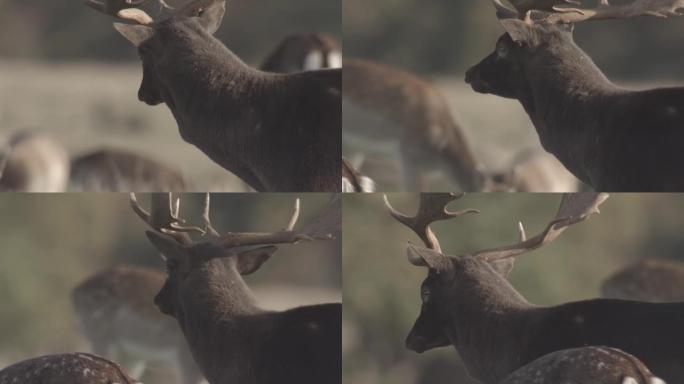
382 289
65 72
52 243
440 39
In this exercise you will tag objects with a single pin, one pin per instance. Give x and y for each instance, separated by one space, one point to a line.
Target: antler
433 207
164 217
656 8
574 208
552 11
126 9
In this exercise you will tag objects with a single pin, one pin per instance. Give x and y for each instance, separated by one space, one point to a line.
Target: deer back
73 368
651 280
588 365
111 170
304 52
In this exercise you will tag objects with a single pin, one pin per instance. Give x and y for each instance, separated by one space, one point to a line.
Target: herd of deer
280 128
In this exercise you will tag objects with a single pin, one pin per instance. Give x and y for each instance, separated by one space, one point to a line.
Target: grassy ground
87 105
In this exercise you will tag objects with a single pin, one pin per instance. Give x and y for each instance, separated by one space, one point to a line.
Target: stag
611 138
469 303
276 132
231 338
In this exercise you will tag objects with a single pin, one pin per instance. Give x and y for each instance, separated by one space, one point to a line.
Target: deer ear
425 257
503 267
250 261
521 32
136 34
212 16
165 244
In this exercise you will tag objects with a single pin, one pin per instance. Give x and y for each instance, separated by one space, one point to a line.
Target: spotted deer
468 303
71 368
610 138
117 315
231 338
584 365
652 280
277 132
304 52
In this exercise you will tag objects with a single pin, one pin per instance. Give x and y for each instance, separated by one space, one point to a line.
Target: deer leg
413 179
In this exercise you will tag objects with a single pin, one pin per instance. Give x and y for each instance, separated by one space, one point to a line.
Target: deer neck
219 104
566 101
223 324
487 327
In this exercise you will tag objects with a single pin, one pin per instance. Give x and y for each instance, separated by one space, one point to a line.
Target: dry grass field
87 106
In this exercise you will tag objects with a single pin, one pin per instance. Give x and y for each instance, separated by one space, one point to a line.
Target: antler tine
321 228
433 207
574 208
522 7
208 228
124 9
163 216
637 8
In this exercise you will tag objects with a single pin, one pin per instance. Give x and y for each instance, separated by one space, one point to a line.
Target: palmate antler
554 11
128 9
574 208
164 218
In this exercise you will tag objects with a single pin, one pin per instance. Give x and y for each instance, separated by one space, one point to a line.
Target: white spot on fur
335 59
656 380
629 380
313 61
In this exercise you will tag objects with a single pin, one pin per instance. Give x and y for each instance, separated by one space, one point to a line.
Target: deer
609 137
652 280
34 163
418 120
109 169
118 317
231 338
407 118
468 303
584 365
304 52
277 132
70 368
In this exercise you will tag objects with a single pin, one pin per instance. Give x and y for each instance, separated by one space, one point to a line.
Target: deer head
162 44
540 31
466 277
228 256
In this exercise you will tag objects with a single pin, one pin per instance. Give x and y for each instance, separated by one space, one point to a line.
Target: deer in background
276 132
304 52
584 365
117 315
231 338
610 138
34 163
72 368
469 303
651 280
387 106
110 169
